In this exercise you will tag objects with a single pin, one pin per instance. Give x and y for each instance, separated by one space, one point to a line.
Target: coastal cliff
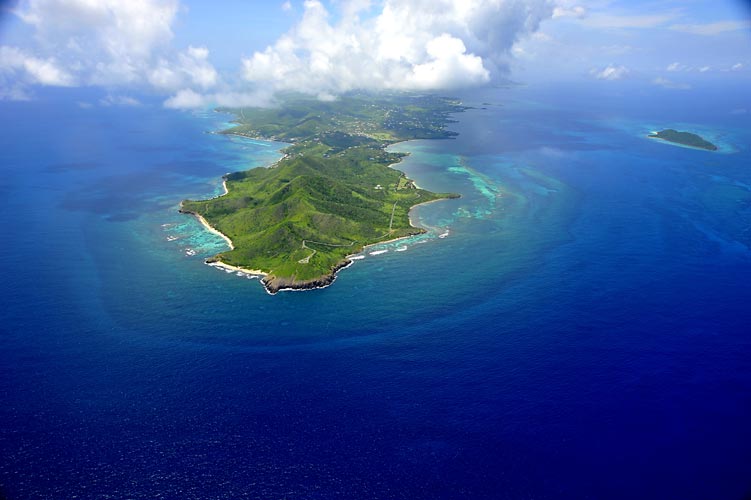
275 284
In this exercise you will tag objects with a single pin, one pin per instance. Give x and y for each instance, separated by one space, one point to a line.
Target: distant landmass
684 138
297 222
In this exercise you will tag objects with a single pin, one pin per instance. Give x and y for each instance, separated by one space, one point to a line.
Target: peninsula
334 191
684 139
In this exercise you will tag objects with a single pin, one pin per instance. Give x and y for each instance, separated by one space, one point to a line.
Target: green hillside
332 193
684 138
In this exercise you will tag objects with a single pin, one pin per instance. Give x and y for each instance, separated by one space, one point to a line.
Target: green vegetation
333 192
684 138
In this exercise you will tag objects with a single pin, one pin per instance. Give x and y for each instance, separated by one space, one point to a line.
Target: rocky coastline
275 284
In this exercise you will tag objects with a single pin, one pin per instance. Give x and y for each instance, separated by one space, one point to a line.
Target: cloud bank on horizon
344 45
416 44
106 43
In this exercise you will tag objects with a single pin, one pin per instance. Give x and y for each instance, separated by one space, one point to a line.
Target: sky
196 53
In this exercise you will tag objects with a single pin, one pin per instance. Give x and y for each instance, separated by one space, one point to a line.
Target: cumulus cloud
361 44
610 72
191 67
449 66
190 99
185 99
106 41
17 63
415 44
112 43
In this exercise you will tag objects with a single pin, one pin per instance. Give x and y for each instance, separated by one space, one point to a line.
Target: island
299 221
684 139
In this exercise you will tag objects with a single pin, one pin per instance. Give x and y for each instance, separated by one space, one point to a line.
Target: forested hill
333 192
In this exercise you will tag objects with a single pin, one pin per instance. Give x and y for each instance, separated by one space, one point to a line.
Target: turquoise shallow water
575 326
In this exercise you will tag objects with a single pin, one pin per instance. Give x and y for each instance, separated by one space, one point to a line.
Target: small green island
684 139
334 192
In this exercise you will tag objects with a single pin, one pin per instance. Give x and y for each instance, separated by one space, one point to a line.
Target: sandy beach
228 267
411 223
211 229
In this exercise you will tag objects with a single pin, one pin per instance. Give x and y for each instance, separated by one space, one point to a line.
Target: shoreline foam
231 268
209 227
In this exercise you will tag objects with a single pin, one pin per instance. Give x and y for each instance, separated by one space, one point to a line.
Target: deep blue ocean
576 326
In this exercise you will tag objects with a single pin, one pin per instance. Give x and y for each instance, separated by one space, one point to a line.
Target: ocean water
574 327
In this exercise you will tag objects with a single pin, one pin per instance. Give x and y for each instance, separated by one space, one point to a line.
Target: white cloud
676 66
191 67
539 36
450 66
108 41
610 72
112 43
119 100
567 8
710 29
17 63
186 99
13 93
287 6
46 72
194 63
259 98
669 84
164 76
406 44
190 99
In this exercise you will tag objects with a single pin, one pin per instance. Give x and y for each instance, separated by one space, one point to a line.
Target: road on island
306 260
